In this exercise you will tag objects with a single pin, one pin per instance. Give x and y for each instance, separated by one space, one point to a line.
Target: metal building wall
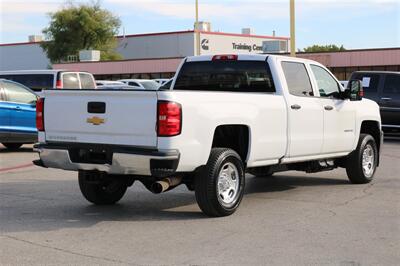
159 45
26 56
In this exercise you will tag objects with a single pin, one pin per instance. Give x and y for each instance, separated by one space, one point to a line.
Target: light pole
196 28
292 29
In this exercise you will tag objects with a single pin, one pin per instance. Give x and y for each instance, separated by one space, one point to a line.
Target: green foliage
324 48
81 27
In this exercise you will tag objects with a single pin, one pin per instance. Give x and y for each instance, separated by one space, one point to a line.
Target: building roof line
121 60
18 43
204 32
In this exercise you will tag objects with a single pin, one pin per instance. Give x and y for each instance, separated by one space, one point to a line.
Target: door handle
386 99
328 108
295 107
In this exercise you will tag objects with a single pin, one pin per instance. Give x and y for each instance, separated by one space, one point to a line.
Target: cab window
86 81
297 79
70 81
327 85
19 94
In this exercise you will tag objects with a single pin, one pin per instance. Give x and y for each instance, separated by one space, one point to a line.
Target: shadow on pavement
20 150
46 205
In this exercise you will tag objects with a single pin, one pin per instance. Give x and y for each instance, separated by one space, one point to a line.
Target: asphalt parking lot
292 219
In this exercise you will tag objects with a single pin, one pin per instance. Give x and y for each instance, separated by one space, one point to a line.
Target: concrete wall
23 57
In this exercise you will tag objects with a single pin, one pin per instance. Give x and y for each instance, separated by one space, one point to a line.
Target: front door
305 112
339 115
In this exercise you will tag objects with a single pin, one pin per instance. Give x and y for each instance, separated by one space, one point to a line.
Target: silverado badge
95 120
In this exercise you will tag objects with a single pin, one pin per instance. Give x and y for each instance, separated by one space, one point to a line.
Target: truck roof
38 71
247 57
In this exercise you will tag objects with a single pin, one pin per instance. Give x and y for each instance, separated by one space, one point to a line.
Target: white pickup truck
222 116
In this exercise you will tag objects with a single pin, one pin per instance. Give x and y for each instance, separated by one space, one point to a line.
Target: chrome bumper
128 162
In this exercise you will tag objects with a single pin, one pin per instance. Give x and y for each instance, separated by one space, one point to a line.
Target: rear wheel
12 146
361 163
101 191
219 186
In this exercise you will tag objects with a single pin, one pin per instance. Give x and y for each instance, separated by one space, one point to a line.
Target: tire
107 192
261 172
357 172
12 146
219 186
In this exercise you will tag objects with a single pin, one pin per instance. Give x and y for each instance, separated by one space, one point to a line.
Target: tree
81 27
324 48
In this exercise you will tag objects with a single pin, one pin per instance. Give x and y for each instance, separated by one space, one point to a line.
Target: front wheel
219 186
361 163
105 191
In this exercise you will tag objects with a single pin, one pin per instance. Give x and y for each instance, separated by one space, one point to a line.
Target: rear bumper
108 158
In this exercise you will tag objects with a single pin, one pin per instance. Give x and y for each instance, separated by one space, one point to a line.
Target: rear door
102 117
390 101
22 104
305 112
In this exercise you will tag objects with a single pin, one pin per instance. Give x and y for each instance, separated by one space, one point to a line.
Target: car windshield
150 85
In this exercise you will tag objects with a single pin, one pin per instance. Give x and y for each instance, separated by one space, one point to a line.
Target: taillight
40 114
59 84
169 119
361 93
225 57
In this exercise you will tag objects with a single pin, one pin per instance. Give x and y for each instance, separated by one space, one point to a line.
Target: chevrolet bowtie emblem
95 120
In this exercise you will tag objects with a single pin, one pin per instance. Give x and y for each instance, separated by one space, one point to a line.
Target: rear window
233 76
33 81
86 81
70 81
297 79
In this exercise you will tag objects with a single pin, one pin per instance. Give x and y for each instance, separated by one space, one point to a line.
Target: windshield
150 85
222 75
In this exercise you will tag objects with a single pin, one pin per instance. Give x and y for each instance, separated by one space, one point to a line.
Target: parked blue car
17 114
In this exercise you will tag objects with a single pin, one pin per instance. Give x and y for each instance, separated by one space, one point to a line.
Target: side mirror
354 90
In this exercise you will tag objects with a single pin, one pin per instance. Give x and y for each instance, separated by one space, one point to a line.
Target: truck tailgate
105 117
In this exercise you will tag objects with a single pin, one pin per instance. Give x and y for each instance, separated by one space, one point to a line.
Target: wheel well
372 128
235 137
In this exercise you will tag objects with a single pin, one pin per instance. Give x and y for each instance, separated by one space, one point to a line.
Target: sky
355 24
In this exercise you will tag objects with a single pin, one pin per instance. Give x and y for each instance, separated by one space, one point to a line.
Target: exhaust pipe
165 184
